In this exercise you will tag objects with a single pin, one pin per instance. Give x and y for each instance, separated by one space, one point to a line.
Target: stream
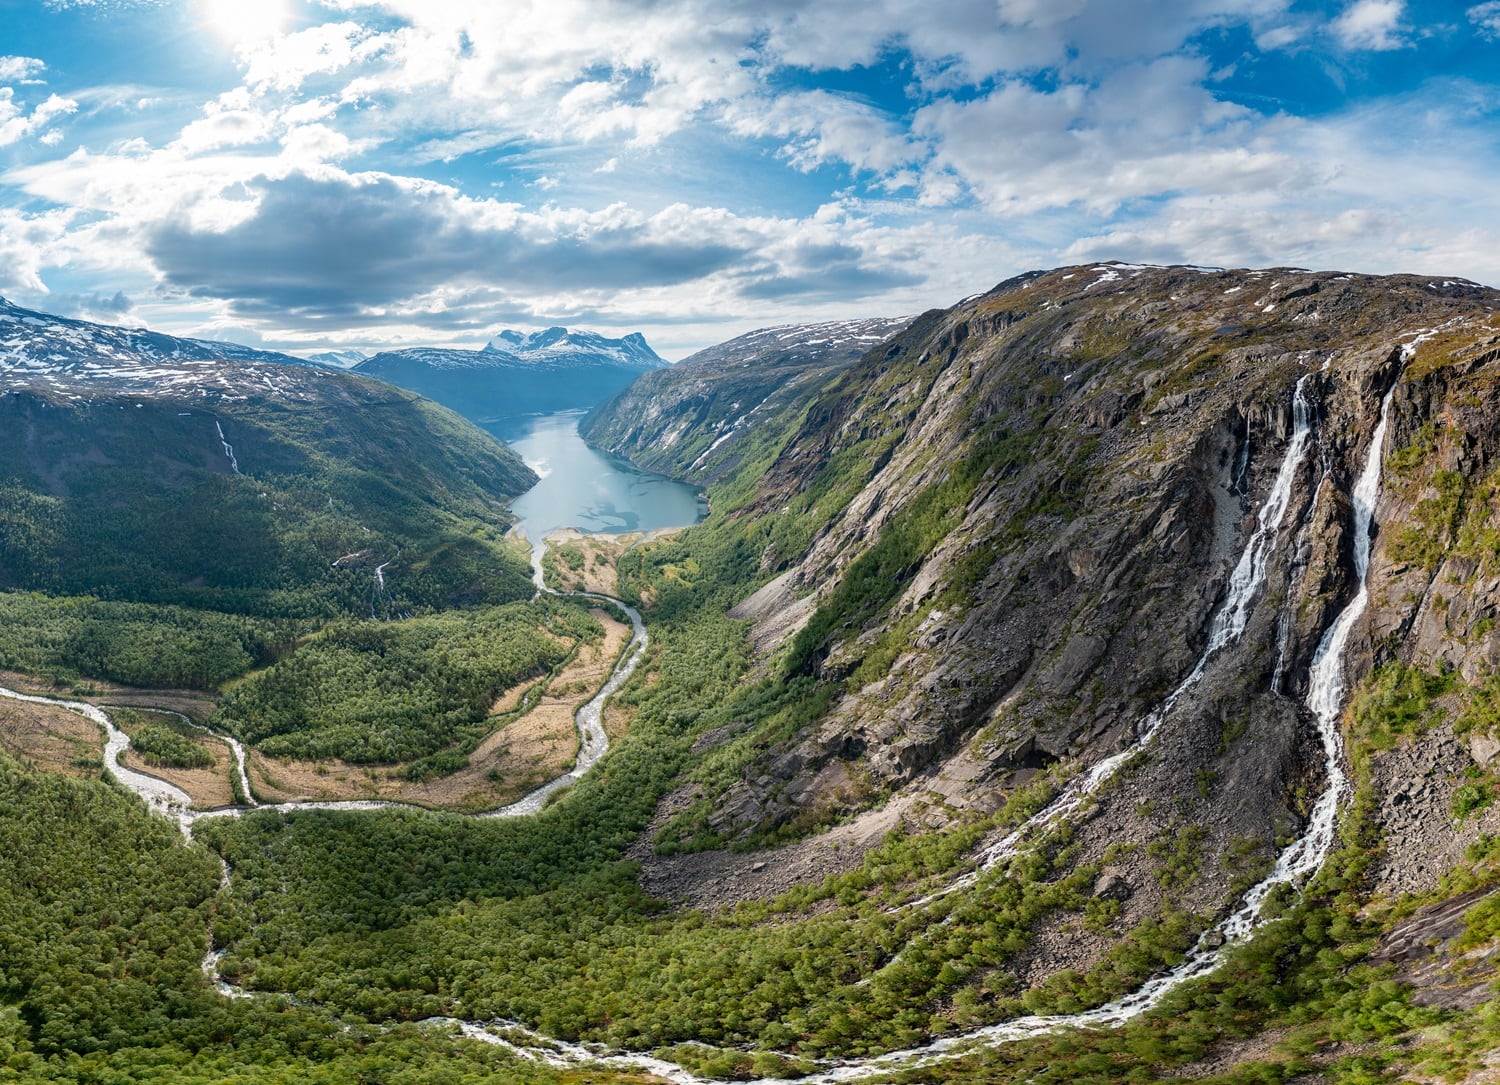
1298 861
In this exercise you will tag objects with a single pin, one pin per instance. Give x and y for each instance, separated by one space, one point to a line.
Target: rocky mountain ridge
338 359
684 422
61 354
571 346
1000 539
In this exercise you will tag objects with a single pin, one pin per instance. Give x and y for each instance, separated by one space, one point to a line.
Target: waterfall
234 464
1228 624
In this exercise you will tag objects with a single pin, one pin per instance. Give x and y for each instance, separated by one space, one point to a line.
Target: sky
326 174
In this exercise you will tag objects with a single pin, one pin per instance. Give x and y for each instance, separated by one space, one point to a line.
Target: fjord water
587 489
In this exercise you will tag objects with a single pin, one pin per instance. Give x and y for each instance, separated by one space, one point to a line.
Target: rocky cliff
1001 538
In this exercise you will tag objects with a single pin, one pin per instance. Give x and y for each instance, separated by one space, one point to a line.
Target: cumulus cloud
102 308
335 244
1145 130
29 243
1371 24
20 69
663 159
16 123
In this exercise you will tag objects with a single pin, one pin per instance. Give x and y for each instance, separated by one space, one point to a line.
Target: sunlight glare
243 23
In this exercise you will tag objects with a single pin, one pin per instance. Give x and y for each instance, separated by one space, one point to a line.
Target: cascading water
1228 624
234 464
1299 860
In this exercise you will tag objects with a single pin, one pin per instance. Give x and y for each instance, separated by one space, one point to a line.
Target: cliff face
1004 534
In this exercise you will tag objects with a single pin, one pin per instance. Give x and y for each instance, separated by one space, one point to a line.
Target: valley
1093 681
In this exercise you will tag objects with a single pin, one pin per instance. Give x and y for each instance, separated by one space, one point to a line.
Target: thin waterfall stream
1299 860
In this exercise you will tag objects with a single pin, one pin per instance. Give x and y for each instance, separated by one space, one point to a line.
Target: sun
242 23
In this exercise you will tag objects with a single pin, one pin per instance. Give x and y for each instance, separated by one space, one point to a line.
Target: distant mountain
338 359
516 375
563 347
142 467
685 421
39 350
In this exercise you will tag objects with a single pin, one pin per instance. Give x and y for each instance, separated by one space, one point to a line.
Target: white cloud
28 244
16 124
286 62
297 200
20 69
1144 131
1371 24
821 128
1486 18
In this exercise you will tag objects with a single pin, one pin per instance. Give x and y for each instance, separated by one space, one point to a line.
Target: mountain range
686 421
42 351
168 470
517 375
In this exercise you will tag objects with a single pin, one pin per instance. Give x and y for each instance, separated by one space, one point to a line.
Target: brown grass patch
194 704
51 738
600 553
617 720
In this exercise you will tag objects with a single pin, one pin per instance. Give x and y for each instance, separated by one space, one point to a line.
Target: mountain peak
560 345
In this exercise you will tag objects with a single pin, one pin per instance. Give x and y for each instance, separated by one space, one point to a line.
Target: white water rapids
1298 861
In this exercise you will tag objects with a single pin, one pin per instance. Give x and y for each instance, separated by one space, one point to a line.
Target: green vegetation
132 643
164 742
83 848
135 506
101 936
1395 701
378 919
379 692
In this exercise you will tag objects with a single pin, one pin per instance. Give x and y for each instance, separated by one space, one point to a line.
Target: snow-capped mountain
73 358
790 343
516 374
338 359
562 346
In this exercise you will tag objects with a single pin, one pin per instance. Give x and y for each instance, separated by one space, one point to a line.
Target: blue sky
309 174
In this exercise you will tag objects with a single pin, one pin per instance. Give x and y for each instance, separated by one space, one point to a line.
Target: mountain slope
141 467
517 375
1062 732
42 351
687 421
997 543
1056 626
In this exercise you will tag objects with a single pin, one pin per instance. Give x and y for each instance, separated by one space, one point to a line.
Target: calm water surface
588 489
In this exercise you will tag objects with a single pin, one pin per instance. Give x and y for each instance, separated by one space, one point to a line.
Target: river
591 490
